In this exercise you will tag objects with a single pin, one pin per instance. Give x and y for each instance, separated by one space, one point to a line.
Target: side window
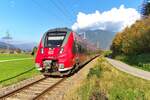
43 40
74 48
80 48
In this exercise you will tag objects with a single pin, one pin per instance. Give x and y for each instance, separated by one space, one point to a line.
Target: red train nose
51 53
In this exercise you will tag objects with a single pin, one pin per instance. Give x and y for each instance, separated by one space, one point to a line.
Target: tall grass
105 82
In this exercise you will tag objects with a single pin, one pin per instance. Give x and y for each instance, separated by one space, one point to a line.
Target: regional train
60 51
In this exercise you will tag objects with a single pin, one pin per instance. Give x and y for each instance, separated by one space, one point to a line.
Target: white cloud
112 20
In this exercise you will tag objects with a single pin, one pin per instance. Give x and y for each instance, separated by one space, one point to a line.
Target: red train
61 50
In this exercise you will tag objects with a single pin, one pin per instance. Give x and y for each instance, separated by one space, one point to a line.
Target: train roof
60 31
65 29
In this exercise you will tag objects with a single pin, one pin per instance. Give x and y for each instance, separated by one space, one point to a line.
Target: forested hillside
133 40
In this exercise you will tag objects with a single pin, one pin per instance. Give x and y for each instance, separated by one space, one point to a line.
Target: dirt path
129 69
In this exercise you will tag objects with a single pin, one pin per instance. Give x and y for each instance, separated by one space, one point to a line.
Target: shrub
96 71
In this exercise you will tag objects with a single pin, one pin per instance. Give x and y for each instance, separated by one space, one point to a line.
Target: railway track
34 90
37 89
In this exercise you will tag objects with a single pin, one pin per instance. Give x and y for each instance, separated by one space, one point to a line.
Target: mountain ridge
23 46
101 38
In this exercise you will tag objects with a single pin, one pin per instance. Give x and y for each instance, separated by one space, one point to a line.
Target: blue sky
27 20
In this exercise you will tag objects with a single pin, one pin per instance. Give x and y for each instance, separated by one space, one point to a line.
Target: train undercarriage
52 68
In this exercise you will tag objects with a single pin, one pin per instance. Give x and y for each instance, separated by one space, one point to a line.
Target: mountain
4 45
26 46
101 38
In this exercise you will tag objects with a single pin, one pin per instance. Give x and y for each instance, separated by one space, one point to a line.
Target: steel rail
18 90
50 88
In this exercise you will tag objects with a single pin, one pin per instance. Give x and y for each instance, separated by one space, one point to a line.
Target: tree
34 51
117 43
18 50
146 8
133 40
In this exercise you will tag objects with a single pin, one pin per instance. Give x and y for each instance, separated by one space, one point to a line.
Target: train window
53 41
55 37
81 48
43 39
74 48
56 33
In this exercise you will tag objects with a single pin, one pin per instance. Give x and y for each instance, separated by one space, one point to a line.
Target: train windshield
54 41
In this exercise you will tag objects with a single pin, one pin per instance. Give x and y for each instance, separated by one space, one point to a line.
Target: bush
96 71
97 95
142 61
107 53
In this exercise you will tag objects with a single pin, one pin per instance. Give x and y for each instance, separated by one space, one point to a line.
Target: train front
54 54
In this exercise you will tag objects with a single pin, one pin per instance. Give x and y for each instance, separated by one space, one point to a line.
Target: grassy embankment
14 56
12 68
140 61
104 81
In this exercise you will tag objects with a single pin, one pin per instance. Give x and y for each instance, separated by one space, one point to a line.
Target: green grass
140 61
112 84
13 68
94 71
14 56
30 74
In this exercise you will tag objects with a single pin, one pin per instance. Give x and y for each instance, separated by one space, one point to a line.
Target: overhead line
65 8
44 8
61 9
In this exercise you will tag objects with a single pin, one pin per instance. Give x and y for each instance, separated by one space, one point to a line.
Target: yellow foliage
134 39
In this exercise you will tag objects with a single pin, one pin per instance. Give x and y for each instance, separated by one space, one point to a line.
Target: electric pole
7 40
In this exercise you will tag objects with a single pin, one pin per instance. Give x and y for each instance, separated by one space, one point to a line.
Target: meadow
105 82
14 56
14 68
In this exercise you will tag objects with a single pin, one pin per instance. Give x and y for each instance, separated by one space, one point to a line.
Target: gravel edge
20 84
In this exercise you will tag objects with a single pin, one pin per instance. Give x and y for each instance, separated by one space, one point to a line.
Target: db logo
50 52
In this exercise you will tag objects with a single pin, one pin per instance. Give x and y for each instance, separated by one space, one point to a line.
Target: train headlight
37 65
42 51
61 66
61 50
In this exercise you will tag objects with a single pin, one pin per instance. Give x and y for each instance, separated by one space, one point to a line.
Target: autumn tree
133 40
146 8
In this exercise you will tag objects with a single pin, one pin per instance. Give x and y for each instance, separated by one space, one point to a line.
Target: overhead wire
61 9
46 10
68 12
